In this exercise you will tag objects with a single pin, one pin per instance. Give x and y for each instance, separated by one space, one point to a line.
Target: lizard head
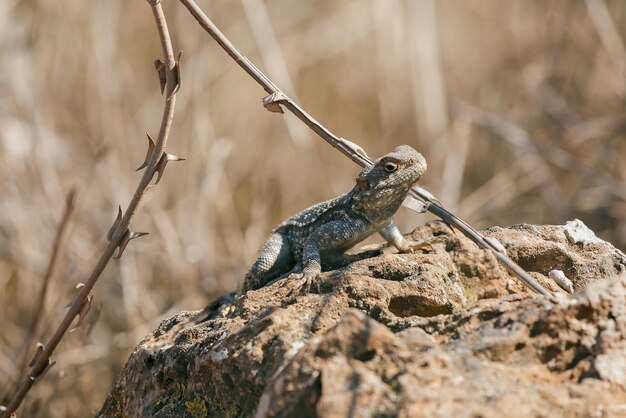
401 168
384 185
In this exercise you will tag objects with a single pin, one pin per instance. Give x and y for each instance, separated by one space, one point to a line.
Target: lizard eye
390 166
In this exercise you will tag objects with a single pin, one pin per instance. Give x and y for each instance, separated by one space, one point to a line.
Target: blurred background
517 106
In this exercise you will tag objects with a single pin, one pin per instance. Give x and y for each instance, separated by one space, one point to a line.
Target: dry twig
277 98
51 270
119 236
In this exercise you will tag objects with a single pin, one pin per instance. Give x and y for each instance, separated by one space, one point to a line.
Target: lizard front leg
392 234
335 236
311 267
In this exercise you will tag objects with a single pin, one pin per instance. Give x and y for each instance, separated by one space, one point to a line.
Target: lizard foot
304 283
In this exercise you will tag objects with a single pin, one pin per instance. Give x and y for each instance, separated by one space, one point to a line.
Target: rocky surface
445 332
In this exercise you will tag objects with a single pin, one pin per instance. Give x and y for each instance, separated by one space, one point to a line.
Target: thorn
444 223
272 102
162 73
176 73
128 236
355 148
78 286
160 67
84 310
116 223
95 317
449 227
40 349
428 195
48 367
151 148
165 158
42 374
496 245
437 201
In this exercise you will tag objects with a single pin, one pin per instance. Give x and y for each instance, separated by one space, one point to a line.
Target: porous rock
444 332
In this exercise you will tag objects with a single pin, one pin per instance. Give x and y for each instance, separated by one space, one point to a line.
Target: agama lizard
329 228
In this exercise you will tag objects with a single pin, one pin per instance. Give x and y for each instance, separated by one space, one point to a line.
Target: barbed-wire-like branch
120 235
351 150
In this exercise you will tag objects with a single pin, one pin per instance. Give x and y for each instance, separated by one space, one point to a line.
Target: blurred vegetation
518 107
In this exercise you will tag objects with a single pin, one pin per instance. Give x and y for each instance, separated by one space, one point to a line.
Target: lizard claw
304 283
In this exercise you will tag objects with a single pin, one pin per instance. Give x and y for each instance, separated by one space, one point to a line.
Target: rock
445 332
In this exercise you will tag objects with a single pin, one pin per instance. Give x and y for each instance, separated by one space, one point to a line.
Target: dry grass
517 106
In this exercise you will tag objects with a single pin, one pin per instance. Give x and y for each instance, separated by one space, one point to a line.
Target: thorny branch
119 235
351 150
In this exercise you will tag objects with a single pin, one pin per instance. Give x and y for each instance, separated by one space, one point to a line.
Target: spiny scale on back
333 226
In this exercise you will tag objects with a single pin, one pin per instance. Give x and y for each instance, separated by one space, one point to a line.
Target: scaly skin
330 228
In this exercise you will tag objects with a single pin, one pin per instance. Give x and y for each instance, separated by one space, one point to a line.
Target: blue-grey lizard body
330 228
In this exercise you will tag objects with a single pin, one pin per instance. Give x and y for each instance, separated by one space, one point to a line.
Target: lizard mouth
400 185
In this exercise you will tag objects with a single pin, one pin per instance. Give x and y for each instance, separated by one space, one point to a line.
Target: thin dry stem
41 363
351 150
51 270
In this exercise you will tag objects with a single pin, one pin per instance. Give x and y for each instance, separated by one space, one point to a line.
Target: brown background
518 107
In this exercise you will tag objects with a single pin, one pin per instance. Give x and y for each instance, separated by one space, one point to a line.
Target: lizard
295 248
